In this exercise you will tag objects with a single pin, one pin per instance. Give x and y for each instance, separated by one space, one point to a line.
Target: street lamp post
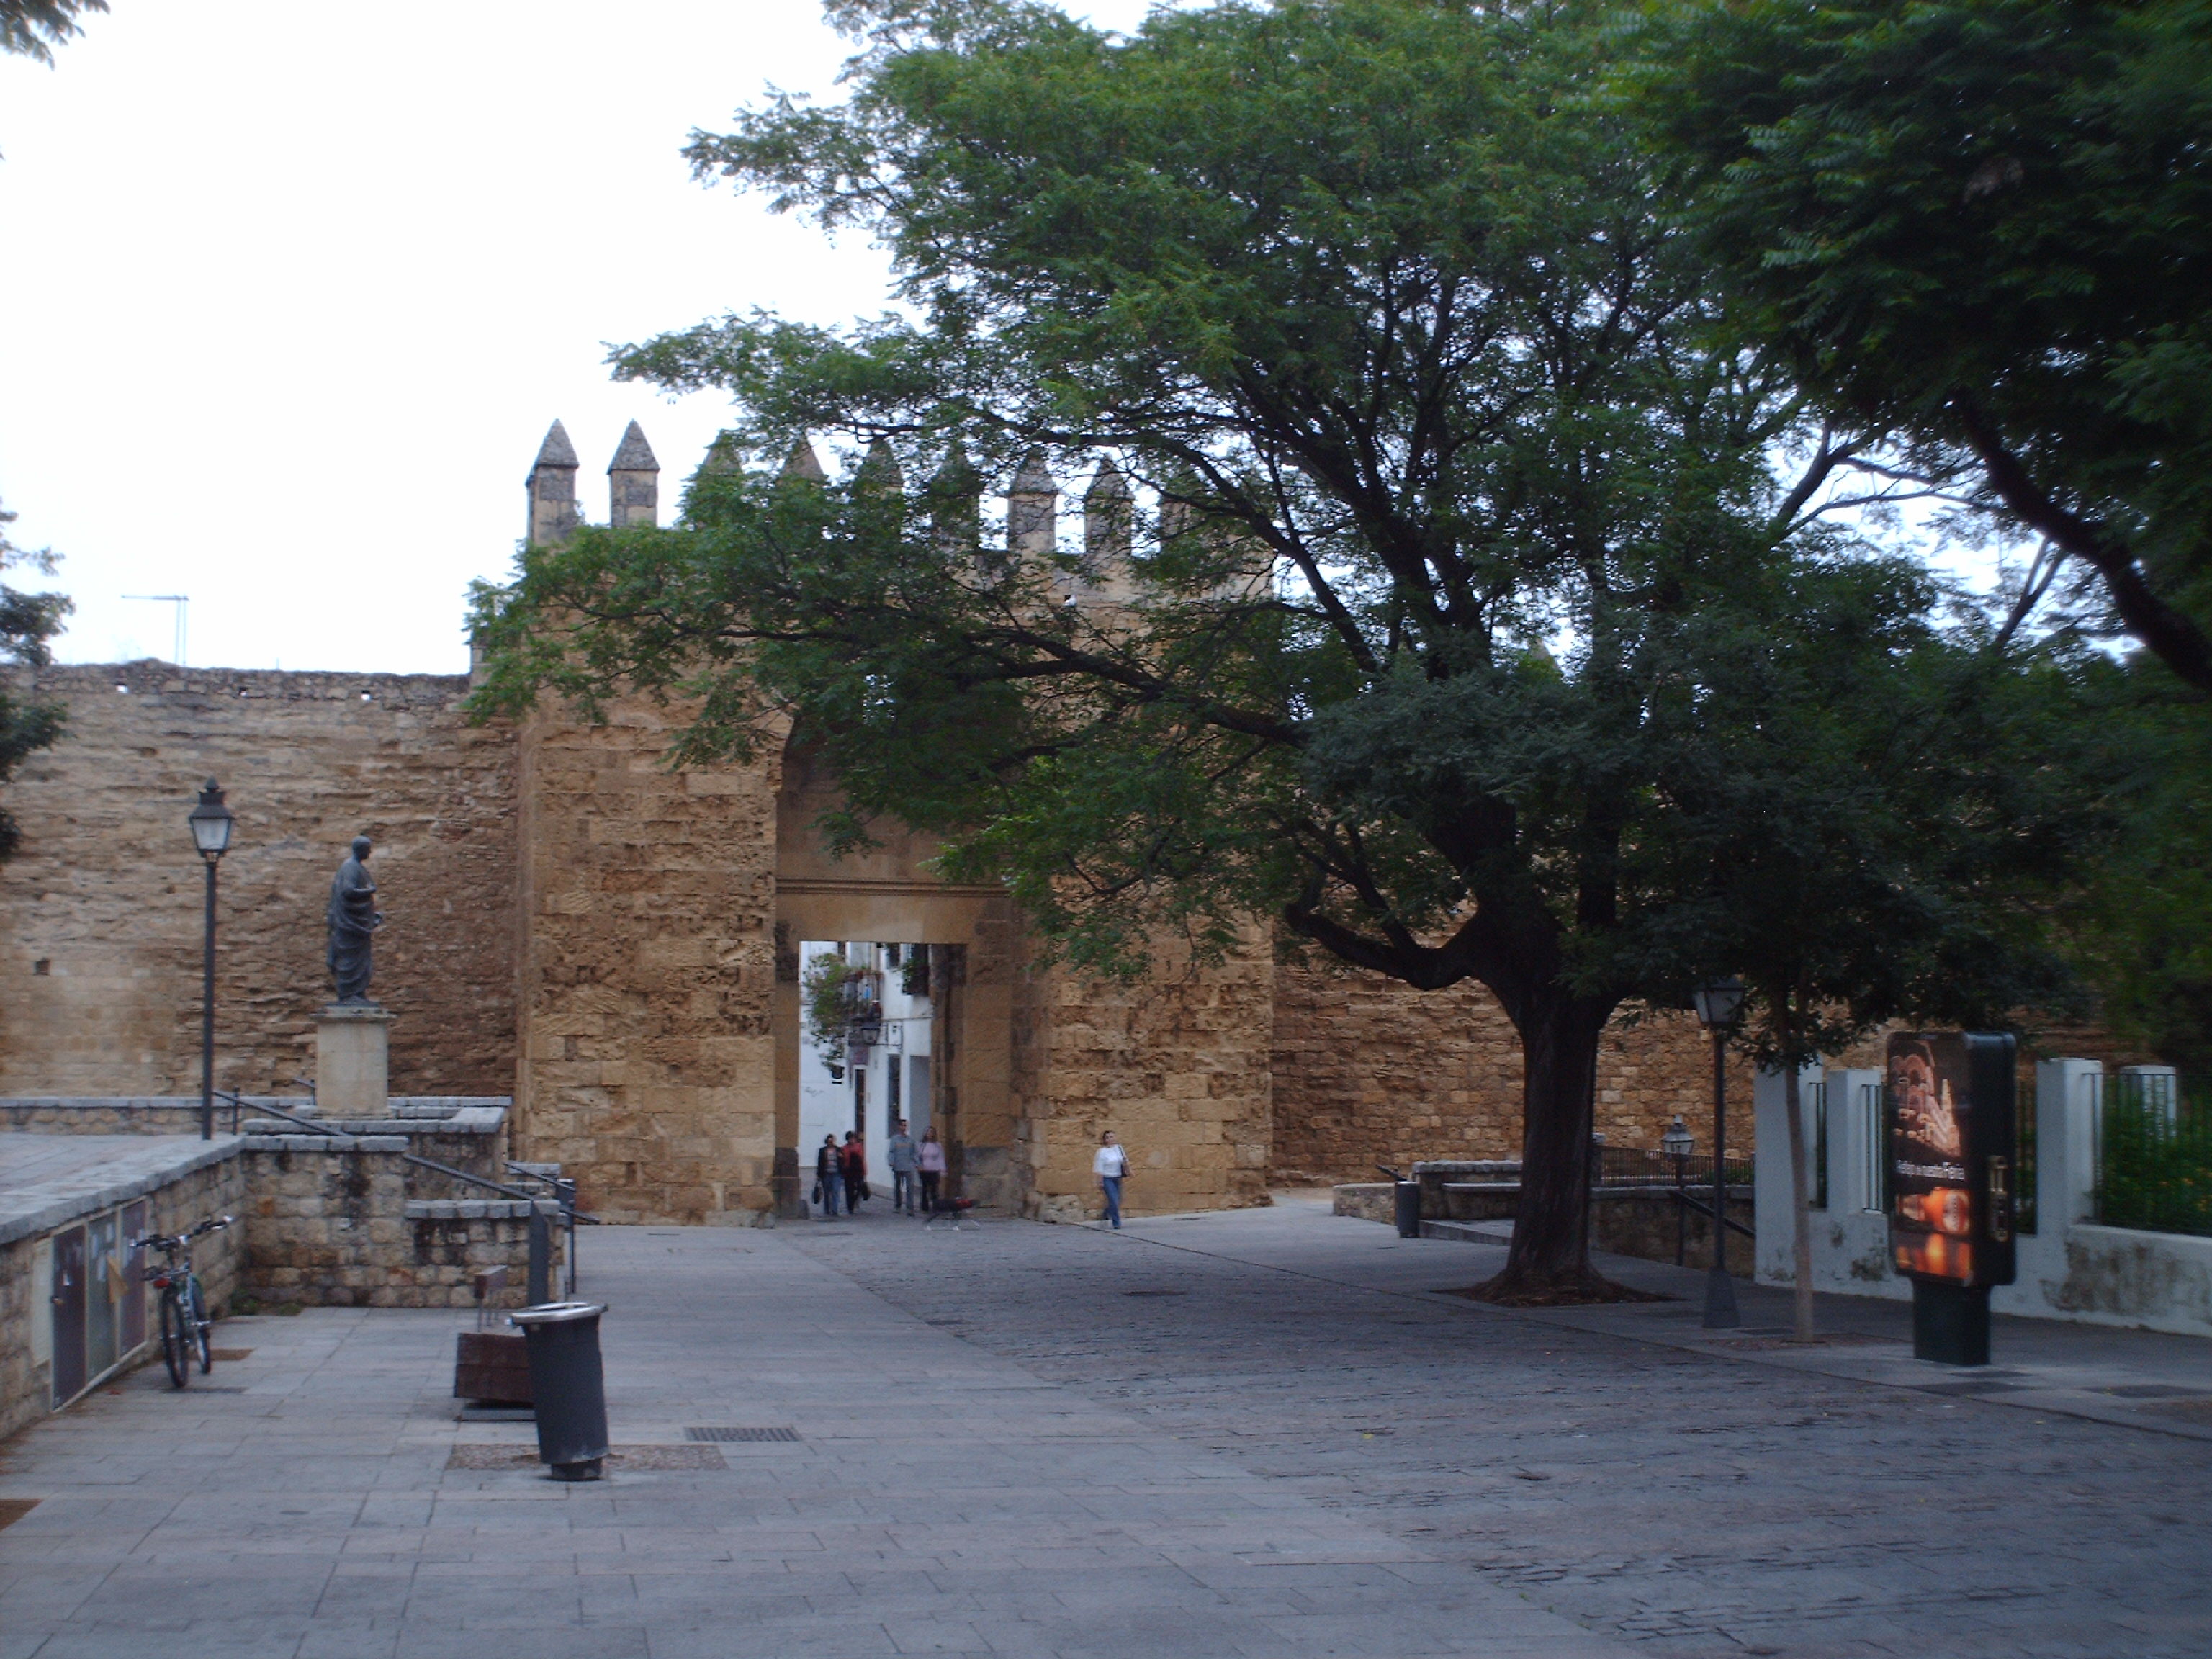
1719 1001
210 823
1678 1143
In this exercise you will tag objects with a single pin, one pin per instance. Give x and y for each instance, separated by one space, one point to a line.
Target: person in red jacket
856 1172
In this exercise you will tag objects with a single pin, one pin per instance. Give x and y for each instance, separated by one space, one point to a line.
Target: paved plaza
1258 1433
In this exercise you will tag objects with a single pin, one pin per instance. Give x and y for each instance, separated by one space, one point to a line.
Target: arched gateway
618 945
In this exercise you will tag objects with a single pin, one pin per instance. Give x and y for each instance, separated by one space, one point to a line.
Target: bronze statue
353 918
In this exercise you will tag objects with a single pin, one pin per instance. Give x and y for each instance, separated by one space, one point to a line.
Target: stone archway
887 894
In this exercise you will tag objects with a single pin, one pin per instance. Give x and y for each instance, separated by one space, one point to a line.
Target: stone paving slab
942 1498
2150 1380
1686 1498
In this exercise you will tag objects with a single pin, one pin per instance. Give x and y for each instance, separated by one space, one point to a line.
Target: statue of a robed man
354 919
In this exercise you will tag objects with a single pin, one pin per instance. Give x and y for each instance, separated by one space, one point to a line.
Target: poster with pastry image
1950 1149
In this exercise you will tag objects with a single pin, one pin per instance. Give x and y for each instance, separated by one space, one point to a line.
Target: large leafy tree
1983 226
1447 516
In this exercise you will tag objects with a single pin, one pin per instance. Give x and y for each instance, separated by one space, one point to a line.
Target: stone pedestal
353 1059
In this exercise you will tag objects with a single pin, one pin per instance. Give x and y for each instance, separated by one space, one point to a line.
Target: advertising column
1951 1164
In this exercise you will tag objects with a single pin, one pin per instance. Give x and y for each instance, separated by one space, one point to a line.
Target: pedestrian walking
855 1157
1112 1166
930 1158
829 1176
903 1155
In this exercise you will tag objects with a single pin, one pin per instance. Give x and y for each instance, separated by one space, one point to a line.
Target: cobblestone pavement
1680 1502
317 1497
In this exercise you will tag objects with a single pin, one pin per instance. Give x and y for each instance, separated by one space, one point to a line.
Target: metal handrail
1706 1209
238 1104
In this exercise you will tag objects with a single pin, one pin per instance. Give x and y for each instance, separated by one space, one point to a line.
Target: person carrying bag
1112 1167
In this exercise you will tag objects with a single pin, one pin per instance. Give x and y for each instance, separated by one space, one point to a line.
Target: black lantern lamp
210 821
1719 1001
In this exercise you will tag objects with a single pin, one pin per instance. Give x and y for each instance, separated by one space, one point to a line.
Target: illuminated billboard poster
1952 1160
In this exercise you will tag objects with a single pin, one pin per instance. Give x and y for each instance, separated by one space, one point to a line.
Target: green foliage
1885 822
35 27
28 622
2154 1163
1986 226
2142 930
1460 546
835 994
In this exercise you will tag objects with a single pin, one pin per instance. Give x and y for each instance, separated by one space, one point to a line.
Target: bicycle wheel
176 1339
200 1329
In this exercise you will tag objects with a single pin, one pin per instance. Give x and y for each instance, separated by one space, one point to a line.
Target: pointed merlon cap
556 450
958 472
881 471
1033 477
1109 487
551 488
722 454
634 455
804 463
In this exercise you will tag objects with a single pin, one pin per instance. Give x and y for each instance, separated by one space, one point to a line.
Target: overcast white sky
292 290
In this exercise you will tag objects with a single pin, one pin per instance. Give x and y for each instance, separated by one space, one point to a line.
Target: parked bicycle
184 1321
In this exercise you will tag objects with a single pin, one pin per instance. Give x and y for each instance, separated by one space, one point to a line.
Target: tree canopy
1984 226
1429 531
35 27
28 623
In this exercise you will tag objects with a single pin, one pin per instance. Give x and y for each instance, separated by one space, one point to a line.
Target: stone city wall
1176 1065
1368 1071
101 913
647 913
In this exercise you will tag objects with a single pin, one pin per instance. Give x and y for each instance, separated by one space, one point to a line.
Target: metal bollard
568 1384
1408 1199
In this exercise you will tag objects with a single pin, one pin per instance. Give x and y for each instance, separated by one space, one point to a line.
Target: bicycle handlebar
171 1240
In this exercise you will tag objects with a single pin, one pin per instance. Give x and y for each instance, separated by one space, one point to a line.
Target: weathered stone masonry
101 913
576 924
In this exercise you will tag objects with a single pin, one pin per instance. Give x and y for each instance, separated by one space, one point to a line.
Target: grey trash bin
1408 1197
568 1385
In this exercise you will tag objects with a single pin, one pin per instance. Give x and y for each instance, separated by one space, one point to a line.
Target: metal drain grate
729 1436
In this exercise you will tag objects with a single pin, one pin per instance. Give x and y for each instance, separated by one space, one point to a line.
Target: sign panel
1951 1117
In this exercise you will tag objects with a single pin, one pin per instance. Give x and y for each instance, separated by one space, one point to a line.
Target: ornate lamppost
1719 1001
210 822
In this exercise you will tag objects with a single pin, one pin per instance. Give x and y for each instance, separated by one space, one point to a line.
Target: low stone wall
1367 1200
176 1200
469 1135
1435 1176
1637 1221
333 1225
1641 1221
457 1126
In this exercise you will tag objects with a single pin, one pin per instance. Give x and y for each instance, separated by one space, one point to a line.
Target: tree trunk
1801 1206
1549 1261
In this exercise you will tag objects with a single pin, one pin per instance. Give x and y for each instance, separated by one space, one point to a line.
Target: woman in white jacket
1111 1164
